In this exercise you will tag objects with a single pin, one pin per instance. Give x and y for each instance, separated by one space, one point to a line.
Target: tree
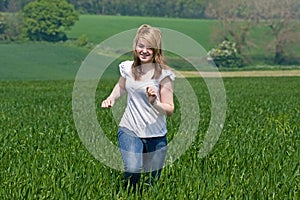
192 8
237 17
13 6
11 25
3 5
23 3
281 18
48 19
2 26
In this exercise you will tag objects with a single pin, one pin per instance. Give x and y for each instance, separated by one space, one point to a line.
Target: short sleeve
125 68
167 73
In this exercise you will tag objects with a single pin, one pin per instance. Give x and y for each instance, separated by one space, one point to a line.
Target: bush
82 40
2 26
226 55
48 20
11 25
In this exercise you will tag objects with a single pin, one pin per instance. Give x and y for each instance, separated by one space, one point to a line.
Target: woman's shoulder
125 67
167 73
126 63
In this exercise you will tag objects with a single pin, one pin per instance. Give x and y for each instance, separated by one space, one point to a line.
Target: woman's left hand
151 94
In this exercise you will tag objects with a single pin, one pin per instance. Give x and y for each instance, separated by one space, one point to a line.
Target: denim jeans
141 154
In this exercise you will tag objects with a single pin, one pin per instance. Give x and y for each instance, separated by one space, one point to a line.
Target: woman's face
144 51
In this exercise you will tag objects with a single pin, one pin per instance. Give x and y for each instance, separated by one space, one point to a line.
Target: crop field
256 156
42 155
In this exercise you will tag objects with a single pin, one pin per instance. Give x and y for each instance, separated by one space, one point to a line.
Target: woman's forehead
143 41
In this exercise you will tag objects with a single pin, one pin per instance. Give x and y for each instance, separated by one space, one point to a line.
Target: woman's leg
131 148
154 158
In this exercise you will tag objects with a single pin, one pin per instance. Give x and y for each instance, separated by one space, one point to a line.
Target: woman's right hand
107 103
118 91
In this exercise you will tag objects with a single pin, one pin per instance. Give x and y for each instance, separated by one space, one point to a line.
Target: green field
42 156
99 28
256 157
39 61
46 61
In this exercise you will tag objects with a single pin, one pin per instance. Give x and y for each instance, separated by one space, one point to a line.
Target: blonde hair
154 37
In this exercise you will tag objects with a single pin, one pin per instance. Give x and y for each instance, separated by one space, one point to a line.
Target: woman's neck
147 67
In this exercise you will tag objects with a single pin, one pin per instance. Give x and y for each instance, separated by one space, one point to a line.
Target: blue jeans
141 154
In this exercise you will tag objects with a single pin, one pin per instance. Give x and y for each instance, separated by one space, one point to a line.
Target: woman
149 84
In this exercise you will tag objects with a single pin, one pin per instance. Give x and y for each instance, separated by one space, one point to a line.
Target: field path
260 73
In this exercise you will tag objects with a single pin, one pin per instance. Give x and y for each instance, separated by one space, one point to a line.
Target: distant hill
39 61
44 61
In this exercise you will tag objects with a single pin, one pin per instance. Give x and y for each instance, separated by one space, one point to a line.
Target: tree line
166 8
47 20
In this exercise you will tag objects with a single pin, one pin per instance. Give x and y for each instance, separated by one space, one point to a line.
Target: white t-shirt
140 116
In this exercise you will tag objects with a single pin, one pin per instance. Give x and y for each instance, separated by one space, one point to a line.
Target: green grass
256 157
99 28
60 61
42 157
42 61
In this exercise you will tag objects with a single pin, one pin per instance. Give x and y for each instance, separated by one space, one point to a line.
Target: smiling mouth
144 54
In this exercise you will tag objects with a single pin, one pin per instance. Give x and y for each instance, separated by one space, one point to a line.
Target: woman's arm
166 103
118 91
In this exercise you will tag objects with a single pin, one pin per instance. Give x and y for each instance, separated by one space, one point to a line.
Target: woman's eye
143 46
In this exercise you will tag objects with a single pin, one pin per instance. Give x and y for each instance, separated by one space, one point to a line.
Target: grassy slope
39 61
58 61
99 28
